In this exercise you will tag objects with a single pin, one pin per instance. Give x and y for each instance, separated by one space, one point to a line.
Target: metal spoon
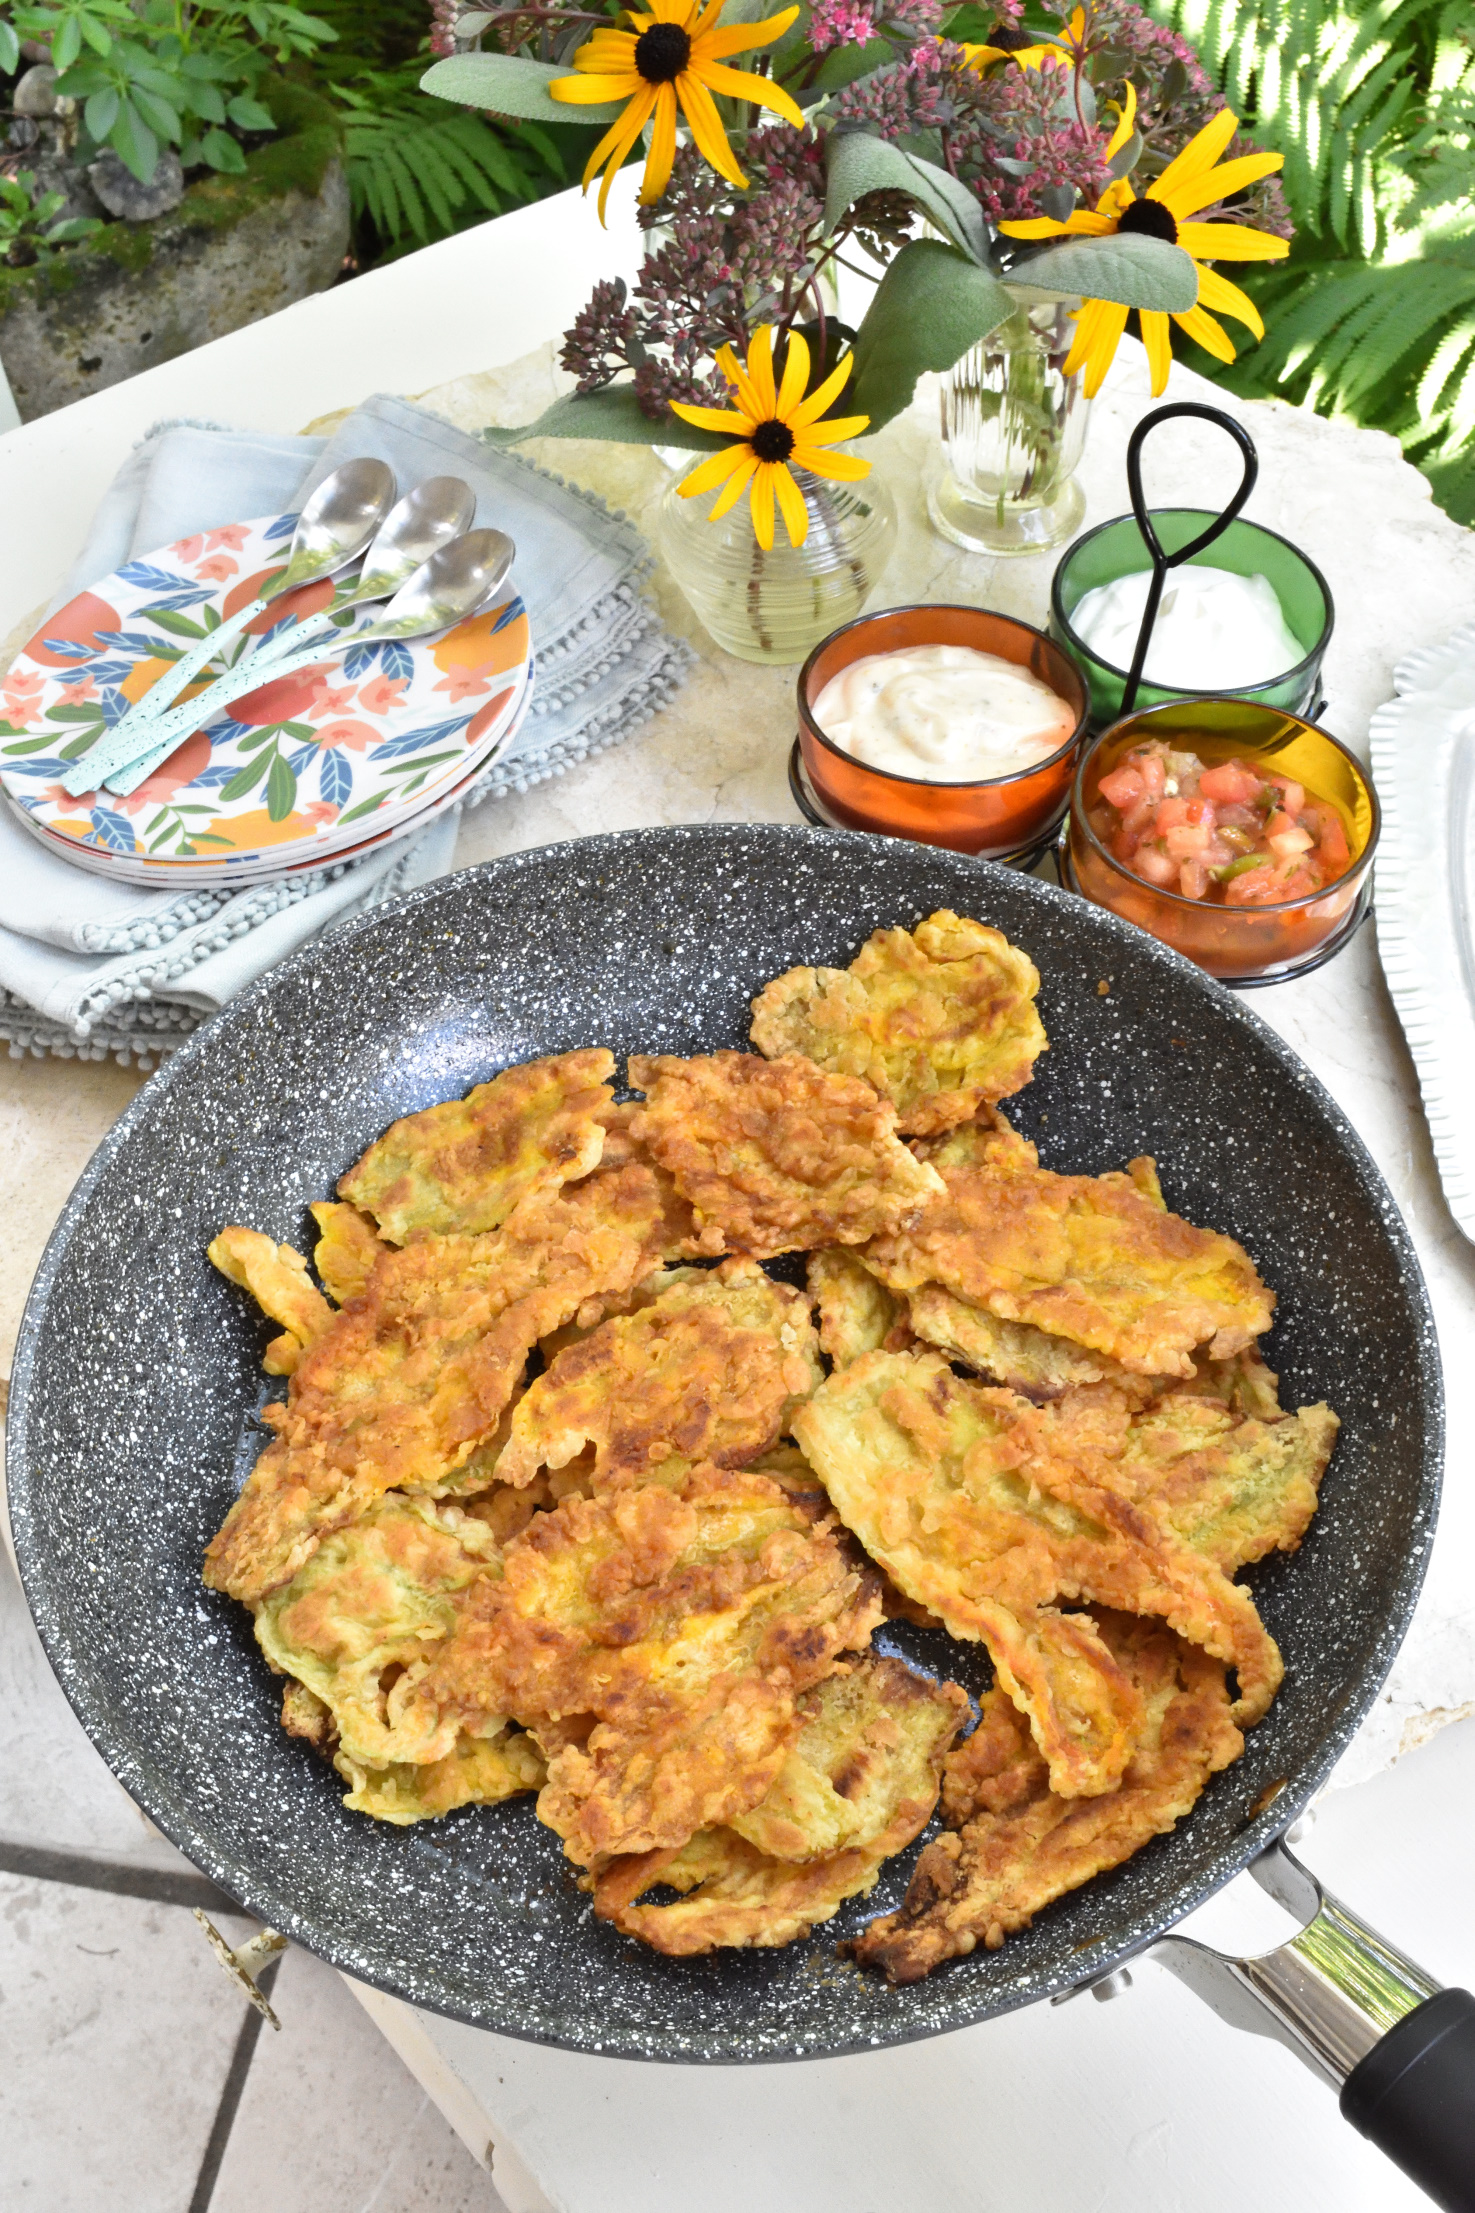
458 581
435 512
335 525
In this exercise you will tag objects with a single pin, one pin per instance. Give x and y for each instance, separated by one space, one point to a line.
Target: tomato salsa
1234 835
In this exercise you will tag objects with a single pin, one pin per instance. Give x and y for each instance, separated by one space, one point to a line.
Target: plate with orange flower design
330 755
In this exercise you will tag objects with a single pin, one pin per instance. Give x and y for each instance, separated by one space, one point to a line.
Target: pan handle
1398 2048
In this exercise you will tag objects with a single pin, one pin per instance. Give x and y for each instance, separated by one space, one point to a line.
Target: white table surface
1149 2103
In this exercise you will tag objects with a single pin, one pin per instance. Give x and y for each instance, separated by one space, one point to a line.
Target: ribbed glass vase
1013 428
774 605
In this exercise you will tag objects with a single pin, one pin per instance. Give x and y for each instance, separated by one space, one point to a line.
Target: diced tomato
1123 787
1155 866
1187 840
1170 812
1335 852
1292 794
1230 781
1150 768
1193 879
1199 810
1135 821
1286 838
1217 853
1254 888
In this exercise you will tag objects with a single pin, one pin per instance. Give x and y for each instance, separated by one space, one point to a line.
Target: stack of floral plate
311 769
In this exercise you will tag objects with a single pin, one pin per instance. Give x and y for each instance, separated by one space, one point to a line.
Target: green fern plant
1372 318
419 170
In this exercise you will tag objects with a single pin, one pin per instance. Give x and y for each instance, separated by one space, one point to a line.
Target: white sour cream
1214 631
944 714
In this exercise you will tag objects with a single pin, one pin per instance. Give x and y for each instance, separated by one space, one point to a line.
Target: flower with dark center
670 64
779 430
1165 211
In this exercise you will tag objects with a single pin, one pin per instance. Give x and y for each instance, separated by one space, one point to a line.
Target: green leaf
281 790
856 164
101 113
1133 270
508 85
67 44
157 113
613 414
81 712
220 150
205 100
74 228
930 307
364 807
178 626
9 48
134 143
246 779
846 65
250 115
97 35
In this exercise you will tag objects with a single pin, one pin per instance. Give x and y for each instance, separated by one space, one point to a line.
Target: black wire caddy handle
1162 561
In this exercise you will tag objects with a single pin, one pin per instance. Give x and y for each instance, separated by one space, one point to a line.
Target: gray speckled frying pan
138 1375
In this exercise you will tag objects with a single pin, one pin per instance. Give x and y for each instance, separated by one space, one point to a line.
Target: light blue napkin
91 967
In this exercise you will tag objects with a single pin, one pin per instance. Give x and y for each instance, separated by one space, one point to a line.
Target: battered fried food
858 1786
1014 1846
464 1166
940 1019
347 1248
686 1621
856 1311
710 1369
956 1491
551 1505
403 1386
775 1155
1090 1258
358 1623
1230 1486
277 1279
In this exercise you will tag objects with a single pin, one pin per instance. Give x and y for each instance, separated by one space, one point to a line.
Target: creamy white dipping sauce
1214 631
944 714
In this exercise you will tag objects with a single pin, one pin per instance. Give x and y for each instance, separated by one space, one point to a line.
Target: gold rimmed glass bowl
1238 944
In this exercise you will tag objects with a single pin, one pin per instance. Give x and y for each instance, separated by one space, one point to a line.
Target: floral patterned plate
365 736
235 875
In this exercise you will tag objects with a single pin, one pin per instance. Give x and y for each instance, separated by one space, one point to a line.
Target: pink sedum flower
839 23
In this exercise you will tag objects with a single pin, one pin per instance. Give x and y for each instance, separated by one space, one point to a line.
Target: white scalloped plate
1423 761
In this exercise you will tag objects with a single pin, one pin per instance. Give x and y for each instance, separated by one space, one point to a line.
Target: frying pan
137 1378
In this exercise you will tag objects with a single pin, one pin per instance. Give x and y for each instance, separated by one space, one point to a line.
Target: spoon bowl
458 579
338 520
435 512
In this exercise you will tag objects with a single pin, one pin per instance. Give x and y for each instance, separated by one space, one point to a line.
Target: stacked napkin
89 967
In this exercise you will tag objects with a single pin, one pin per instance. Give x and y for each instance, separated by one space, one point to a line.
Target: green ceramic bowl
1116 549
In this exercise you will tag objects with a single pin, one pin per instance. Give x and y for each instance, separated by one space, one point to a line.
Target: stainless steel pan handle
1398 2048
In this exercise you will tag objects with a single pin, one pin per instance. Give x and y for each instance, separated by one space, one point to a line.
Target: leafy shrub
1373 316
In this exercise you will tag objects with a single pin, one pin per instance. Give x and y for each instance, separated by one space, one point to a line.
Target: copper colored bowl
1240 944
992 816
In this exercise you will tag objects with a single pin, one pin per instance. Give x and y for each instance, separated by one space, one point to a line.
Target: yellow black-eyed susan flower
778 430
1165 211
670 62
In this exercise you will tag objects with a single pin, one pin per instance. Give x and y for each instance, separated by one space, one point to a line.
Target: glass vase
1013 426
774 605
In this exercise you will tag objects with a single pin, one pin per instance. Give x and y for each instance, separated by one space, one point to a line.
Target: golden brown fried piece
711 1369
940 1019
277 1279
475 1773
1091 1258
776 1156
347 1249
858 1785
408 1382
1015 1355
962 1495
463 1166
686 1621
1230 1486
856 1311
1016 1846
357 1624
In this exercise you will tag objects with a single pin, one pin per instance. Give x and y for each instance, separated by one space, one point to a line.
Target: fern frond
417 169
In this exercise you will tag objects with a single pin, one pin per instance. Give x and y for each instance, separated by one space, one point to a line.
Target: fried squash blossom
575 1495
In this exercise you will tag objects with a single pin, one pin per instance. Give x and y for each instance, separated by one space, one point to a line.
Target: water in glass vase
1013 427
773 604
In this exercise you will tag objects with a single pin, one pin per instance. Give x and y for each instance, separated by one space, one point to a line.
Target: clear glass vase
774 606
1013 427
